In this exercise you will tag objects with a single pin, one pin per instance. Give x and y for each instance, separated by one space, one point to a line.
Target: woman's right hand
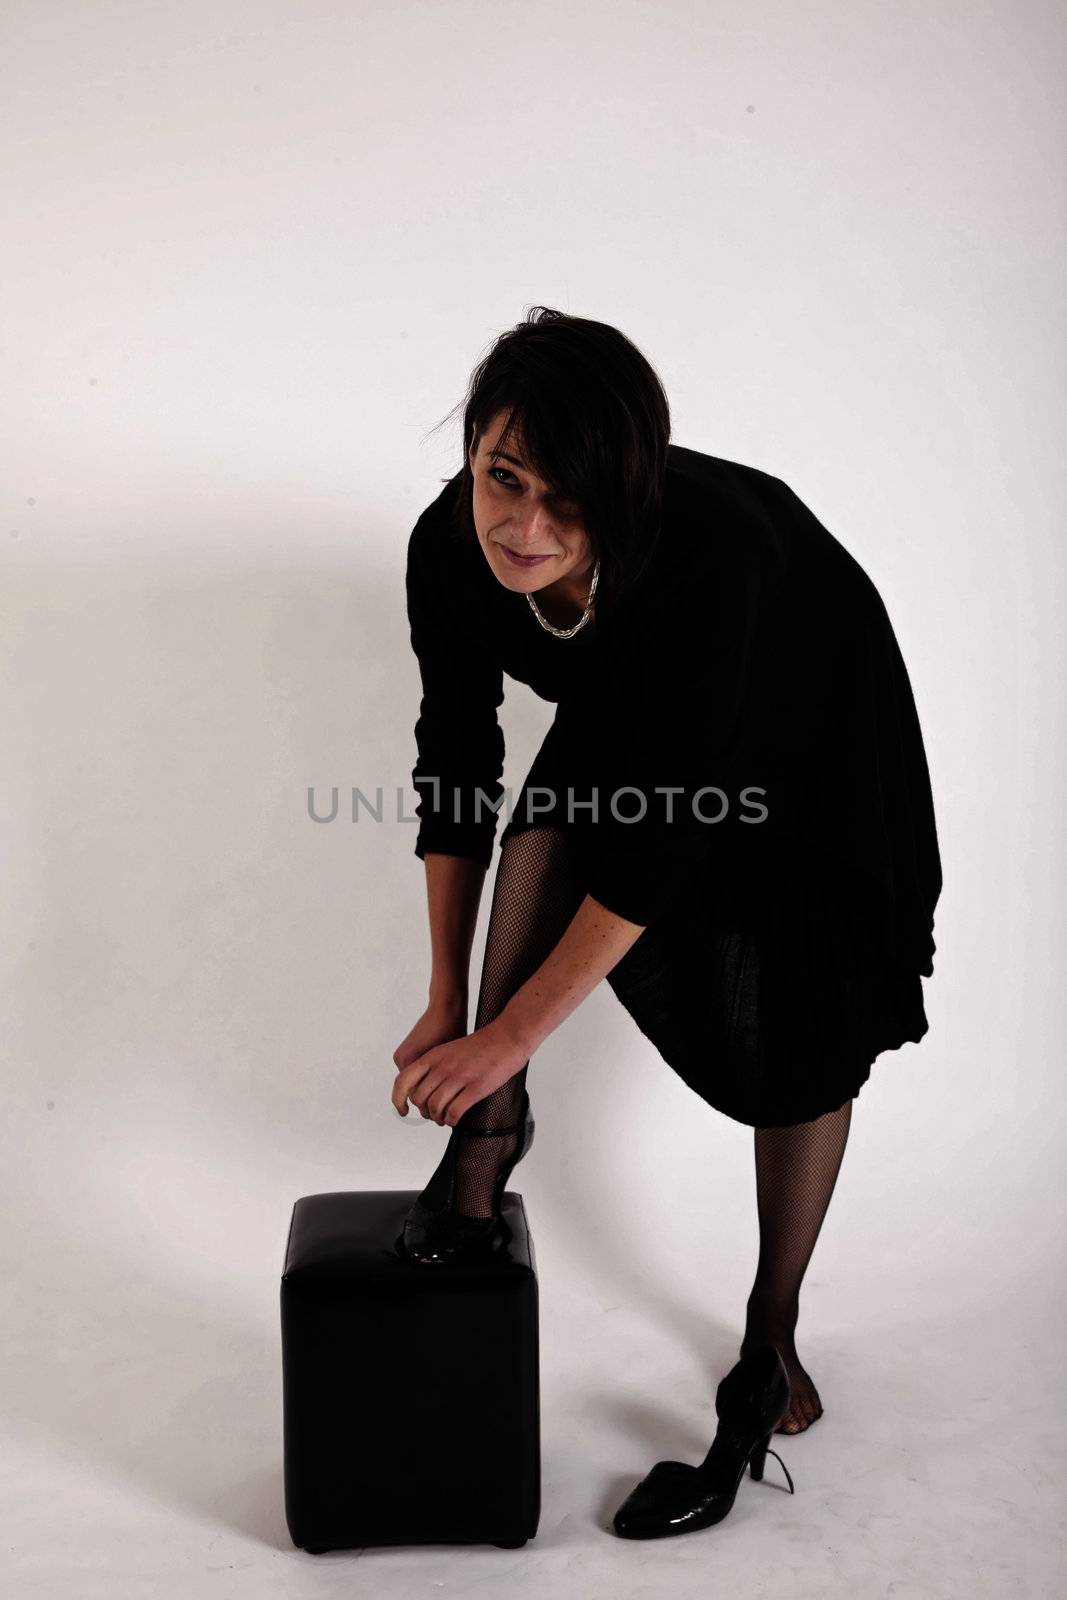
441 1021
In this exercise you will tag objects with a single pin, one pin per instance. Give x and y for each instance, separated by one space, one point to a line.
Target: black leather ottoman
410 1391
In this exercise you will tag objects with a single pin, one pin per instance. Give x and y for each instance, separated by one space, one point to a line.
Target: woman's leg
534 900
796 1170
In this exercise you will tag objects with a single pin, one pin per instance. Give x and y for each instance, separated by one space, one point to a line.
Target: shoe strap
783 1466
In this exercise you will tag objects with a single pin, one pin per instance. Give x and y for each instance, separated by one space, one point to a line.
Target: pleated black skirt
770 997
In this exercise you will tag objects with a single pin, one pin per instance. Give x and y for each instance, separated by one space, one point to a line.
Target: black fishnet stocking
796 1170
534 900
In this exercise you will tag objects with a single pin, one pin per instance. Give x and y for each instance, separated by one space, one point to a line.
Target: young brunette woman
730 819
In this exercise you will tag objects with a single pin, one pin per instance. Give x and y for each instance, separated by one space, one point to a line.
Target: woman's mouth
523 561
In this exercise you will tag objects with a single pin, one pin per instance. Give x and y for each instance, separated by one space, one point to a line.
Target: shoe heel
758 1458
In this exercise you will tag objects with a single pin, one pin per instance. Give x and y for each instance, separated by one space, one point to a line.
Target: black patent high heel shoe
445 1234
678 1498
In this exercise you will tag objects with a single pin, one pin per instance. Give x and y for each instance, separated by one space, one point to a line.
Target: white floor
143 1427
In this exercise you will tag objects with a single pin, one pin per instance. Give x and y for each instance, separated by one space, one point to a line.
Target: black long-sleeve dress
787 887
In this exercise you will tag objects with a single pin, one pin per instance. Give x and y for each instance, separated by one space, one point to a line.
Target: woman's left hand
445 1080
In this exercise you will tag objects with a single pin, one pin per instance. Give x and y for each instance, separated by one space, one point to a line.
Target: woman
726 676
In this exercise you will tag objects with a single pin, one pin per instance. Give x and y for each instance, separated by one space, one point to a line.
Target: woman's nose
533 531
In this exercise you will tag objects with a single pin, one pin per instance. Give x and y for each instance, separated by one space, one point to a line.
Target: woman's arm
453 895
458 737
444 1079
592 944
595 940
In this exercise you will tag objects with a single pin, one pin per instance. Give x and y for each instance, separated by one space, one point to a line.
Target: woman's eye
564 508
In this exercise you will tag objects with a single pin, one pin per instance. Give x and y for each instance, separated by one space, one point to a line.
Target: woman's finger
432 1096
406 1080
458 1106
443 1097
400 1102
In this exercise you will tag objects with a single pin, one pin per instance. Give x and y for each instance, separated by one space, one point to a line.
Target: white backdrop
252 253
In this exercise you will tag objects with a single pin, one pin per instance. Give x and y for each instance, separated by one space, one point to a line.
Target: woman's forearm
594 942
453 895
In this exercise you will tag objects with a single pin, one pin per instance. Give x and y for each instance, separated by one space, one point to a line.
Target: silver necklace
568 633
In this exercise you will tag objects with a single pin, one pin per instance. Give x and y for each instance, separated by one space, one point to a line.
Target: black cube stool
410 1391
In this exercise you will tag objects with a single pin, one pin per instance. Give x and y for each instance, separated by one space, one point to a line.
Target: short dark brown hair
595 425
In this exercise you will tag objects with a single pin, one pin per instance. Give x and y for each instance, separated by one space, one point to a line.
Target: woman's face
516 515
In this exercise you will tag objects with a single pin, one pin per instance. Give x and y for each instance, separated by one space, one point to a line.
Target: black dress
787 886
